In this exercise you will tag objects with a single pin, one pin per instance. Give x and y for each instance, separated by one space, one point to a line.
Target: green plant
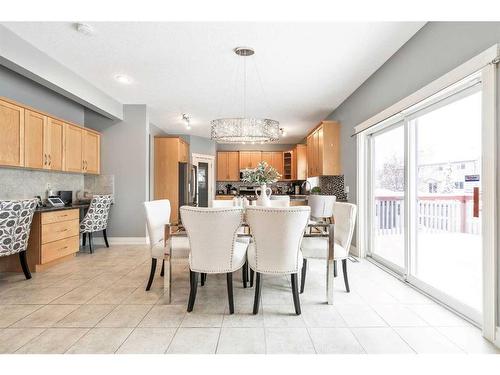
263 174
316 190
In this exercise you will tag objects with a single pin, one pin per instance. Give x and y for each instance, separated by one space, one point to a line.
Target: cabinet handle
64 230
49 160
62 248
45 156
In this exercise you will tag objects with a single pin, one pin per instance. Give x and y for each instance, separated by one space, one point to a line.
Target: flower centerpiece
262 175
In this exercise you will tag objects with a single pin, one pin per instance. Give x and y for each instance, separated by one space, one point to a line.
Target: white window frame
486 62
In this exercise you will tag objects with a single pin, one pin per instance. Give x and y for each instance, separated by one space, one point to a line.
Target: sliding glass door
388 194
429 162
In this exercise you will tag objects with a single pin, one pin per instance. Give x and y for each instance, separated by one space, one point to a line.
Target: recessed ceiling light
122 78
85 29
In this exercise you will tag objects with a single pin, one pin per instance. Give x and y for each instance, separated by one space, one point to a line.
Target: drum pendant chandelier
245 129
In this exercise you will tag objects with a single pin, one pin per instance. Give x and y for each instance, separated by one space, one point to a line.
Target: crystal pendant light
245 129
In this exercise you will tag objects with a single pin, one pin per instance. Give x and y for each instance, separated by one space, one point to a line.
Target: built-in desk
54 237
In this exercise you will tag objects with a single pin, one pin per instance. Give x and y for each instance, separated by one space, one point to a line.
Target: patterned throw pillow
15 225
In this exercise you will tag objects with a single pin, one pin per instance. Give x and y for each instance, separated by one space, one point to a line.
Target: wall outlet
346 189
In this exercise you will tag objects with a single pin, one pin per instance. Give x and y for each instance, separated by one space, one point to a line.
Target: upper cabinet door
233 169
54 144
278 162
11 134
245 159
255 158
34 129
73 141
183 151
222 172
91 148
310 156
319 151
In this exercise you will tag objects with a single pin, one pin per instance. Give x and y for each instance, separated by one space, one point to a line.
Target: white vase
264 195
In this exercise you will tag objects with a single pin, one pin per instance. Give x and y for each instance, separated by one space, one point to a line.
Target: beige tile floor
97 304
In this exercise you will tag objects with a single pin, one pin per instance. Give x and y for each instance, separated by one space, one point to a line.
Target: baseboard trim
354 251
121 240
496 342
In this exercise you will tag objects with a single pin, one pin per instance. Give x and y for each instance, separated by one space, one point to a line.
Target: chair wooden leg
303 276
104 234
194 287
84 239
90 242
251 277
229 277
203 278
162 272
244 271
344 270
295 292
24 265
151 274
258 289
334 268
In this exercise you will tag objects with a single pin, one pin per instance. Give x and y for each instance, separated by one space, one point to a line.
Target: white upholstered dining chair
275 250
212 234
161 244
317 247
322 206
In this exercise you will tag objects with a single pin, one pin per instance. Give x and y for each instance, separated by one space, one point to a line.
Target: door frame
486 62
210 159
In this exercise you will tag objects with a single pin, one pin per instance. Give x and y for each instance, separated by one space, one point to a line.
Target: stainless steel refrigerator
188 183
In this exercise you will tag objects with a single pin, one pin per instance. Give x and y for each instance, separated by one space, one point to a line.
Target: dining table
314 229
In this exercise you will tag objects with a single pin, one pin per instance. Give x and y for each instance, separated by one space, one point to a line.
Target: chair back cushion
157 216
321 205
212 235
96 218
279 203
345 220
222 203
277 234
15 225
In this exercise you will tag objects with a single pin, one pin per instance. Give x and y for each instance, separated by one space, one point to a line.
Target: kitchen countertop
295 197
71 207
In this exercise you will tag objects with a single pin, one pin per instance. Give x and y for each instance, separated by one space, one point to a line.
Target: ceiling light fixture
187 120
122 78
245 129
85 29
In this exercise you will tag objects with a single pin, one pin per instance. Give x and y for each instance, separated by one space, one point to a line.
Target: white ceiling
306 69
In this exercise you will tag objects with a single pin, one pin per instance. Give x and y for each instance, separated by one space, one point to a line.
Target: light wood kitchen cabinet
300 162
91 152
183 151
53 144
228 166
33 139
11 134
35 127
168 153
250 159
54 237
73 150
274 159
323 150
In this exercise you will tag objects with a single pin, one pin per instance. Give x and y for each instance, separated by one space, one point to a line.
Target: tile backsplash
22 183
333 185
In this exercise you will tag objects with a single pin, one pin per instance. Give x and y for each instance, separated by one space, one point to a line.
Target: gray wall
201 145
435 50
124 154
23 90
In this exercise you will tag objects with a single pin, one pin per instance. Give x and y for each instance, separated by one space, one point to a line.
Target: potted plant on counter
262 175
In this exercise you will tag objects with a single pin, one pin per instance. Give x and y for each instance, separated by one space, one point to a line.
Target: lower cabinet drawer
59 249
58 216
57 231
